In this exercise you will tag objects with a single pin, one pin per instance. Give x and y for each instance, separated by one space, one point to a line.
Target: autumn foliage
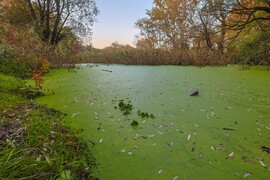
37 73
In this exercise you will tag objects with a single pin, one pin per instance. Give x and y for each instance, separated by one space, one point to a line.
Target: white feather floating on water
100 141
175 178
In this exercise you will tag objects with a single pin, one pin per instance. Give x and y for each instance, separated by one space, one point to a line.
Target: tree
52 16
144 43
168 22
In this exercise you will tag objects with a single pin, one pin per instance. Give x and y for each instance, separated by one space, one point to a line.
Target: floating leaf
188 137
201 155
228 129
170 144
262 163
265 149
75 114
123 150
221 148
160 171
247 174
230 155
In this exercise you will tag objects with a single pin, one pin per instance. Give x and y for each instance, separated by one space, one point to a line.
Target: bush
9 66
251 49
157 57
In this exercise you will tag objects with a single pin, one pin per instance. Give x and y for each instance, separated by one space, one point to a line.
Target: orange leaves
37 73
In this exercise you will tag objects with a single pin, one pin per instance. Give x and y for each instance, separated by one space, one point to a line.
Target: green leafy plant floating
134 123
145 115
126 108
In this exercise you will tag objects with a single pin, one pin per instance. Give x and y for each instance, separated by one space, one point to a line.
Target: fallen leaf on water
123 150
160 171
188 137
245 159
228 129
169 144
201 155
265 149
212 147
262 163
230 155
221 148
247 174
75 114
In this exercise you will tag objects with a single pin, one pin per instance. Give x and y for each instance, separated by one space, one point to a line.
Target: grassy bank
35 143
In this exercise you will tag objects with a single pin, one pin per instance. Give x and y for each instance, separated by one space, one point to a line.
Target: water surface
187 138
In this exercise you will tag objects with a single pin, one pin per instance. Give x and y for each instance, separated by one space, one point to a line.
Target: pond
215 135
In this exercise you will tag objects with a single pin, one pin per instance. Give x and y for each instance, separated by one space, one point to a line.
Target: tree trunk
47 30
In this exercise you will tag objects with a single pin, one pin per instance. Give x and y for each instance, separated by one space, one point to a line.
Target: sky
116 21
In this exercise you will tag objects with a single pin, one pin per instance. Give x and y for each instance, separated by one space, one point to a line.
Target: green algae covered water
215 135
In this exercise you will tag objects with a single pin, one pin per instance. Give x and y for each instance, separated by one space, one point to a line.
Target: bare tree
54 16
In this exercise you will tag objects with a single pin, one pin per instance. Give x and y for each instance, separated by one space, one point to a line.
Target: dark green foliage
254 49
145 115
126 108
9 66
134 123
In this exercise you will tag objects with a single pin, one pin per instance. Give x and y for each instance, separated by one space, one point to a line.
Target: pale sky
116 21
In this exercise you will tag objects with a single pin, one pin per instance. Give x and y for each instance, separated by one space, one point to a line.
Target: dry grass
158 57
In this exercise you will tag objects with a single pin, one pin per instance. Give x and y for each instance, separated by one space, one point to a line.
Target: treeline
206 32
180 32
125 54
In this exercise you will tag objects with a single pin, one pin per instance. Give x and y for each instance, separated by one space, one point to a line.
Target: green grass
8 86
35 142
